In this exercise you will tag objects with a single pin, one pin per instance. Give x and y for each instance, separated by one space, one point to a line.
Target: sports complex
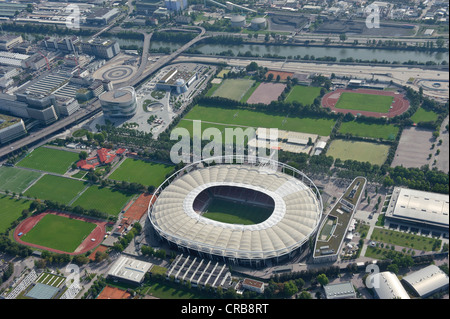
195 210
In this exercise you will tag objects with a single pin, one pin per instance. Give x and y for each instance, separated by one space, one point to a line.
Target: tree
342 37
322 279
290 288
83 155
304 295
253 66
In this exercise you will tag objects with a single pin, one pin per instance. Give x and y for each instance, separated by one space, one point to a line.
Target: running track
98 233
399 105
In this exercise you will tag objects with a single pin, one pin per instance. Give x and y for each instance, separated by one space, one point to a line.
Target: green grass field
145 173
233 88
11 209
365 102
104 199
49 160
386 132
250 92
237 117
303 94
359 151
59 232
236 213
15 179
55 188
404 239
423 115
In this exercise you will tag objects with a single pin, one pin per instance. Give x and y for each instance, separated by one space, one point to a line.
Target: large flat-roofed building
129 270
427 281
344 290
176 80
420 209
7 42
119 103
11 128
102 16
105 49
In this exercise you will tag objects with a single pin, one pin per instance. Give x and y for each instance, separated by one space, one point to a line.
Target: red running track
399 105
98 233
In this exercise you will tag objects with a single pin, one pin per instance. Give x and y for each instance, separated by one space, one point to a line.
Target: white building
121 102
129 270
427 281
11 128
387 286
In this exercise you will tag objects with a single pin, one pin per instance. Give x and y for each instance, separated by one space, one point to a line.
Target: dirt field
414 147
283 75
139 207
266 93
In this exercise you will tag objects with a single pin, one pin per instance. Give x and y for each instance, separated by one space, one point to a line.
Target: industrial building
102 16
258 24
121 102
387 286
238 21
176 80
7 42
11 128
104 49
294 142
419 209
427 281
129 270
344 290
176 5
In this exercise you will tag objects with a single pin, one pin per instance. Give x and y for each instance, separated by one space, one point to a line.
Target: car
92 239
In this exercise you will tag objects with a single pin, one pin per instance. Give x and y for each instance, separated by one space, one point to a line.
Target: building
129 270
176 80
121 102
67 44
419 210
238 21
7 42
344 290
387 286
258 24
7 75
427 281
104 156
176 5
102 16
253 285
104 49
11 128
148 7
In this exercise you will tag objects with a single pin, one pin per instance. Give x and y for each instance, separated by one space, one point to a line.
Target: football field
365 102
16 180
373 153
233 89
49 160
11 209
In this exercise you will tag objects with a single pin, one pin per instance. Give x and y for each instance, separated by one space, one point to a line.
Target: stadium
284 205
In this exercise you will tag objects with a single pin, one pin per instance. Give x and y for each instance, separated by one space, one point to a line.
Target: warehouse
129 270
387 286
418 209
427 281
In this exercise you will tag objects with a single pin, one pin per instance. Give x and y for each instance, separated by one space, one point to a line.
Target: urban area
348 200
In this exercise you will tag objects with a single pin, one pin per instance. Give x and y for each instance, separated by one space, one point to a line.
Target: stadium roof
296 214
427 280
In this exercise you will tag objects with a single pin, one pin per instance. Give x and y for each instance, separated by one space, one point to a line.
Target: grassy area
223 72
11 209
49 160
16 180
236 213
233 89
386 132
303 94
80 174
55 188
373 153
212 90
59 232
250 92
145 173
364 102
257 119
169 290
405 240
423 115
103 199
80 133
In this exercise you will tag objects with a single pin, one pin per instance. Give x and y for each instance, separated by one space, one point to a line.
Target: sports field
103 199
145 173
233 89
237 117
423 115
236 213
303 94
386 132
55 188
365 102
15 179
11 209
59 232
49 160
359 151
266 93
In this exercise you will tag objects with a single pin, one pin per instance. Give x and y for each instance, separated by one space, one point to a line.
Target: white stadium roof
297 213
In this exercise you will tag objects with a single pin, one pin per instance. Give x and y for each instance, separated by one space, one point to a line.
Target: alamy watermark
73 19
373 16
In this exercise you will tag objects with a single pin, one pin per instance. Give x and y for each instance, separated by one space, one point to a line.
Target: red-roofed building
103 156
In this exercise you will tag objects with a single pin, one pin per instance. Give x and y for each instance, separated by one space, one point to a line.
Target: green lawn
103 199
250 92
59 232
404 239
303 94
49 160
236 117
16 179
145 173
423 115
233 89
386 132
11 209
236 213
364 102
359 151
55 188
